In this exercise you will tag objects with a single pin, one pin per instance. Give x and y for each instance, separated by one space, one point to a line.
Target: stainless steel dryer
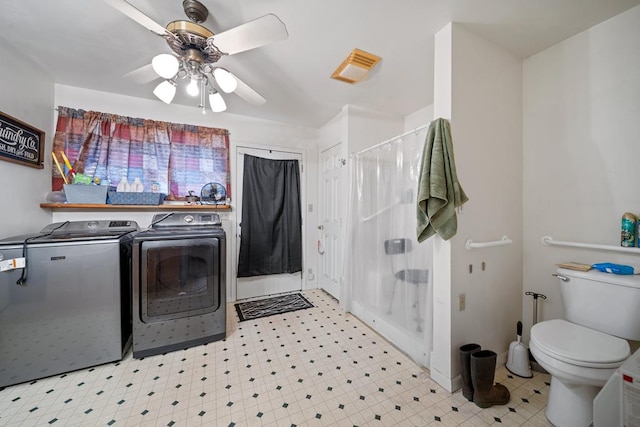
179 284
70 308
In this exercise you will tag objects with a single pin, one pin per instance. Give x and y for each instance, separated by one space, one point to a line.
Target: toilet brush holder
535 366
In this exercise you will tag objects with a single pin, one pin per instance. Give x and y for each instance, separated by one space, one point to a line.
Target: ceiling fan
196 50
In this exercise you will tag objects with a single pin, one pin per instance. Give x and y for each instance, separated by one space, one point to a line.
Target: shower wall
389 285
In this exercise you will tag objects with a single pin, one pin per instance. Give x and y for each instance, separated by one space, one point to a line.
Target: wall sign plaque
20 143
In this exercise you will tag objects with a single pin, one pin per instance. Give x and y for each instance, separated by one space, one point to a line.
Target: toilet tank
606 302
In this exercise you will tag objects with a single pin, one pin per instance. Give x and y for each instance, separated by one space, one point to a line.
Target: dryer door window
179 278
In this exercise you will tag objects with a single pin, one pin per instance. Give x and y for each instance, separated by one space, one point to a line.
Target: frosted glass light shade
165 65
192 87
217 102
227 82
165 91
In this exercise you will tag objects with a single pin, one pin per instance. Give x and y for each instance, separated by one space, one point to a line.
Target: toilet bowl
583 351
580 361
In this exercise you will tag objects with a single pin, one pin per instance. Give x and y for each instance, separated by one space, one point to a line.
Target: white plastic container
617 403
123 185
137 186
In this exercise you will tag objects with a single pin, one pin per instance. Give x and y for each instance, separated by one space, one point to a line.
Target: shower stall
388 275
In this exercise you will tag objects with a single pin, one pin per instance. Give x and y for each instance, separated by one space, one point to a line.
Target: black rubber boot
464 356
483 369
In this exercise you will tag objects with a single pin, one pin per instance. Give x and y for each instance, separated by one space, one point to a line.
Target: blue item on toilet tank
608 267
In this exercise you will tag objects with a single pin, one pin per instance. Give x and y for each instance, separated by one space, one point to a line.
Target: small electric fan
213 193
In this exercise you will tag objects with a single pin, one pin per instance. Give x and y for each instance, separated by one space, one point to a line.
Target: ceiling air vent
356 66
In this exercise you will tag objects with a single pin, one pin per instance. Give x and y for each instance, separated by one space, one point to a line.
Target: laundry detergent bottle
137 186
123 185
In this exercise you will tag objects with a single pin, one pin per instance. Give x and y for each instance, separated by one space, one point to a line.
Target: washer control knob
188 219
92 224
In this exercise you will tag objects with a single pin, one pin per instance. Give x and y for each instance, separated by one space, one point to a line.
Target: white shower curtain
383 208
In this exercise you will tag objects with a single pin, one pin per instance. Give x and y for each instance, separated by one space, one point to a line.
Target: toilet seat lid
579 345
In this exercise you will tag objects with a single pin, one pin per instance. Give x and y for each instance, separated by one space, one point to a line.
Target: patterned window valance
177 157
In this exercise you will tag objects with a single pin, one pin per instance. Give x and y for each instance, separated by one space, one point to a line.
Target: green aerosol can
628 232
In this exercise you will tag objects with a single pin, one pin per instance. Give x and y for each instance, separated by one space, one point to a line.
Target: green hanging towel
439 192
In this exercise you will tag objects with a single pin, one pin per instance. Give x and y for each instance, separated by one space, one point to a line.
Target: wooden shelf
106 207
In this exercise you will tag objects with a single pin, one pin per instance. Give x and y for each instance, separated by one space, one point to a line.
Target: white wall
367 127
333 132
441 368
243 131
487 123
27 95
581 151
422 117
479 87
358 128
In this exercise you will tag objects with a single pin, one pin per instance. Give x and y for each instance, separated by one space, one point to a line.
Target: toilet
583 351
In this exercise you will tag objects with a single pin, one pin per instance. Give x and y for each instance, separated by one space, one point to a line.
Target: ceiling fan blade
259 32
142 75
245 92
132 12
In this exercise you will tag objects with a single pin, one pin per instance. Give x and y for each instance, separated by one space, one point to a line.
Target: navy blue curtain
271 240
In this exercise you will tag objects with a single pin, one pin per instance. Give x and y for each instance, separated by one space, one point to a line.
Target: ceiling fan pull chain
203 83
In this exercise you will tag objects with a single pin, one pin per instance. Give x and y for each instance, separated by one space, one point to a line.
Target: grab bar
548 241
469 244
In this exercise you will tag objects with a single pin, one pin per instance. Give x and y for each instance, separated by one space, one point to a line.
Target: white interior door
250 287
332 185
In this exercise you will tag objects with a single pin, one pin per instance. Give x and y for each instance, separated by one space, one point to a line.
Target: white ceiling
89 44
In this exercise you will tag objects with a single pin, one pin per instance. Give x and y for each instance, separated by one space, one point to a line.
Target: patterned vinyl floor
313 367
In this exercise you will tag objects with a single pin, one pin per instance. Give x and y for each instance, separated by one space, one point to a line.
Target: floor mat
270 306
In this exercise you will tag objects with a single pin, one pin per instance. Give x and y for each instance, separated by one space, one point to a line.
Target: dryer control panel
186 219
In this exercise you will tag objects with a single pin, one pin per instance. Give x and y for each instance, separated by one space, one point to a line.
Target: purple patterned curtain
179 157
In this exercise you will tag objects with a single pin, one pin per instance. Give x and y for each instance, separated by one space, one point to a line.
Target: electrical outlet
462 302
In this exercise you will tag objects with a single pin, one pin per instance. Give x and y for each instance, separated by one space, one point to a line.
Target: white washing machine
618 403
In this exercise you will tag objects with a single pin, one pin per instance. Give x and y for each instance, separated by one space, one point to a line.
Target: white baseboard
449 384
454 384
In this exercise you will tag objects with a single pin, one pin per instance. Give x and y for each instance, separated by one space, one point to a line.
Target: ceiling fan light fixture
165 65
196 49
165 91
356 66
227 82
216 101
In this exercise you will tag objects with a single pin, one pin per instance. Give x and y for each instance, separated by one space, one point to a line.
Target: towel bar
548 241
470 244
